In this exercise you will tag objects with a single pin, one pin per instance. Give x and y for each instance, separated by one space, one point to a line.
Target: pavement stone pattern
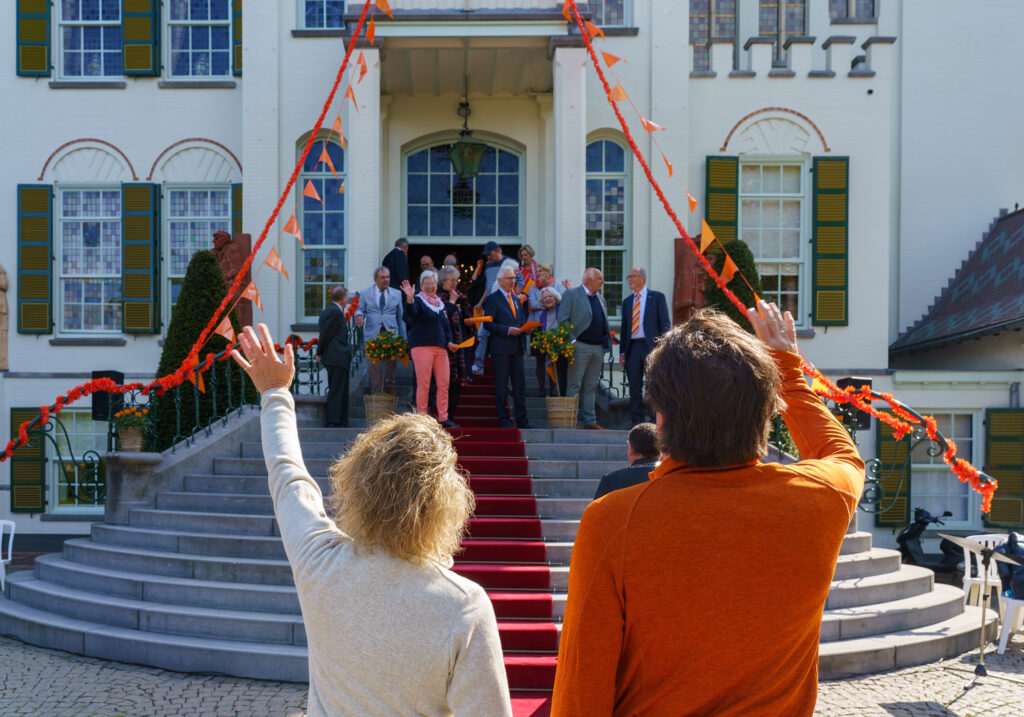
37 682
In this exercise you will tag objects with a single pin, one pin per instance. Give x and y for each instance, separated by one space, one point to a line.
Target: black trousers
510 366
337 394
635 374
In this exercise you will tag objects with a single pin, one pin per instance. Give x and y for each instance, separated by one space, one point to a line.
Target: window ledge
197 84
92 341
855 21
319 32
821 74
307 326
703 73
861 73
805 333
742 73
781 73
88 85
70 518
621 31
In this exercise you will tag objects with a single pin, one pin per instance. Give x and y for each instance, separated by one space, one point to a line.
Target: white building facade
841 139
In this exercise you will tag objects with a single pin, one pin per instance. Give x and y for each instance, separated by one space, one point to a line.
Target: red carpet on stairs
504 551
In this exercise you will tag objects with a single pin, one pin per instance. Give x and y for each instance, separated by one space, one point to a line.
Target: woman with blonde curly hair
390 628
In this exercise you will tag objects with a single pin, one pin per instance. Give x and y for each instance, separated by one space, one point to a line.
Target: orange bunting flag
650 126
336 127
362 67
566 11
757 304
692 199
225 329
371 31
706 236
252 294
468 342
385 7
729 270
818 386
326 159
310 191
194 376
350 94
292 227
618 94
610 59
552 374
594 30
341 187
667 164
273 260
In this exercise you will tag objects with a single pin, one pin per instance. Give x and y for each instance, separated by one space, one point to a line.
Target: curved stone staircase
199 582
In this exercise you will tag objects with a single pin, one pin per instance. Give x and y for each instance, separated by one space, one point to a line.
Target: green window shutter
28 466
33 19
236 38
35 264
894 461
236 208
830 244
722 195
140 255
1004 461
140 29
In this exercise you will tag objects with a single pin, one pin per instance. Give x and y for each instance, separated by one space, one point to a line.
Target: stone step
537 451
856 542
908 581
573 435
266 661
942 603
876 561
172 619
227 545
916 646
583 488
205 522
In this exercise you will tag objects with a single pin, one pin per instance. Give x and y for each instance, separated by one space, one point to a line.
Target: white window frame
54 472
59 41
300 285
627 213
803 272
168 63
58 269
166 233
300 16
627 14
853 17
973 499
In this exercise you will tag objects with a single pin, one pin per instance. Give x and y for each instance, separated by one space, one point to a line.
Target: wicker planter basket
379 405
562 411
130 440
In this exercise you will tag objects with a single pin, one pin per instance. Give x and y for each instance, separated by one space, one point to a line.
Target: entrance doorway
466 256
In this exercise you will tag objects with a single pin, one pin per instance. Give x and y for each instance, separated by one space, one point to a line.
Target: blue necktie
382 302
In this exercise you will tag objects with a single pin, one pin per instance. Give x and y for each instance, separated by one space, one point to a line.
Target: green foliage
781 438
714 297
201 293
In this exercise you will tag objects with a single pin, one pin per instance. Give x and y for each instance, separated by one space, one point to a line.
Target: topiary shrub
744 259
201 293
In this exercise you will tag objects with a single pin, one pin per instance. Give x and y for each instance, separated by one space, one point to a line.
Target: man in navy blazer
645 317
507 346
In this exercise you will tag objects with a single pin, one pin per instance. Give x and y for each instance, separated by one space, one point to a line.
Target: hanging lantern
466 155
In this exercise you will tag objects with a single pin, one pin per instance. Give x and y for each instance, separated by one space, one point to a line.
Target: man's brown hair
716 388
643 439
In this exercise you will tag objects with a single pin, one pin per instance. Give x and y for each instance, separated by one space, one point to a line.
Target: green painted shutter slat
721 183
33 38
1004 461
894 461
236 208
140 255
140 44
236 38
35 259
830 252
28 466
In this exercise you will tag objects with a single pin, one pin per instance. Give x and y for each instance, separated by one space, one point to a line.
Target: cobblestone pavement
49 683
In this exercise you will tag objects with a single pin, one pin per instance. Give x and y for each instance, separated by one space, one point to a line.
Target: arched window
607 211
438 204
323 227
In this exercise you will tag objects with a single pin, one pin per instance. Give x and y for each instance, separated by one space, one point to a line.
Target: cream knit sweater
386 636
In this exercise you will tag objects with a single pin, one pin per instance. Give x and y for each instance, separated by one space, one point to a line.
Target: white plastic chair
6 526
973 586
1013 620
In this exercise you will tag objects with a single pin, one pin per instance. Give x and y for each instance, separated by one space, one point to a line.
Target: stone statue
231 252
4 315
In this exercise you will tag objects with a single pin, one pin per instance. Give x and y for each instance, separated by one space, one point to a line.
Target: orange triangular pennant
225 329
566 11
310 191
341 187
729 270
350 94
326 159
692 199
757 303
273 260
617 94
336 127
385 8
706 236
650 126
194 376
371 31
362 67
667 164
594 30
552 374
252 294
292 227
610 59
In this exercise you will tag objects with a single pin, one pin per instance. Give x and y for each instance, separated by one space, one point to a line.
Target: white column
261 183
363 177
570 133
544 189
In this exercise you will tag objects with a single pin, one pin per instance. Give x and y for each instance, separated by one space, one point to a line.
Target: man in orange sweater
701 591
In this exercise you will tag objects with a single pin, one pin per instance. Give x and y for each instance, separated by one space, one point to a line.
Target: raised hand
261 361
408 290
776 329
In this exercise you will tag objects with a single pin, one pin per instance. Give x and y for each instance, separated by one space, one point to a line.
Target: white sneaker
478 370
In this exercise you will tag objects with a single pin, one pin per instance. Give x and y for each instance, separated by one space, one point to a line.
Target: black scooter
909 541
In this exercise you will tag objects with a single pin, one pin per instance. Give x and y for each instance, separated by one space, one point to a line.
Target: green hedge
715 298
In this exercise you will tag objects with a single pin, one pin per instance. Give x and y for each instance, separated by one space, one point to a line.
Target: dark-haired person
332 351
642 455
397 262
413 637
648 631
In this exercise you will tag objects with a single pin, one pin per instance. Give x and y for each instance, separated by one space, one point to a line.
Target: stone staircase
199 582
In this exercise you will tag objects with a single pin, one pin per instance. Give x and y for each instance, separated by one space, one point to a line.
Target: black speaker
861 420
105 405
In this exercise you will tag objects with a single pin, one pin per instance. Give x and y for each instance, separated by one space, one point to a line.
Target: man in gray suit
584 308
380 307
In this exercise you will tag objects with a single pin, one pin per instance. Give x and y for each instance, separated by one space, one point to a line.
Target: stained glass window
194 215
90 37
609 13
607 214
439 204
323 227
200 38
90 260
710 20
862 10
780 19
324 14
